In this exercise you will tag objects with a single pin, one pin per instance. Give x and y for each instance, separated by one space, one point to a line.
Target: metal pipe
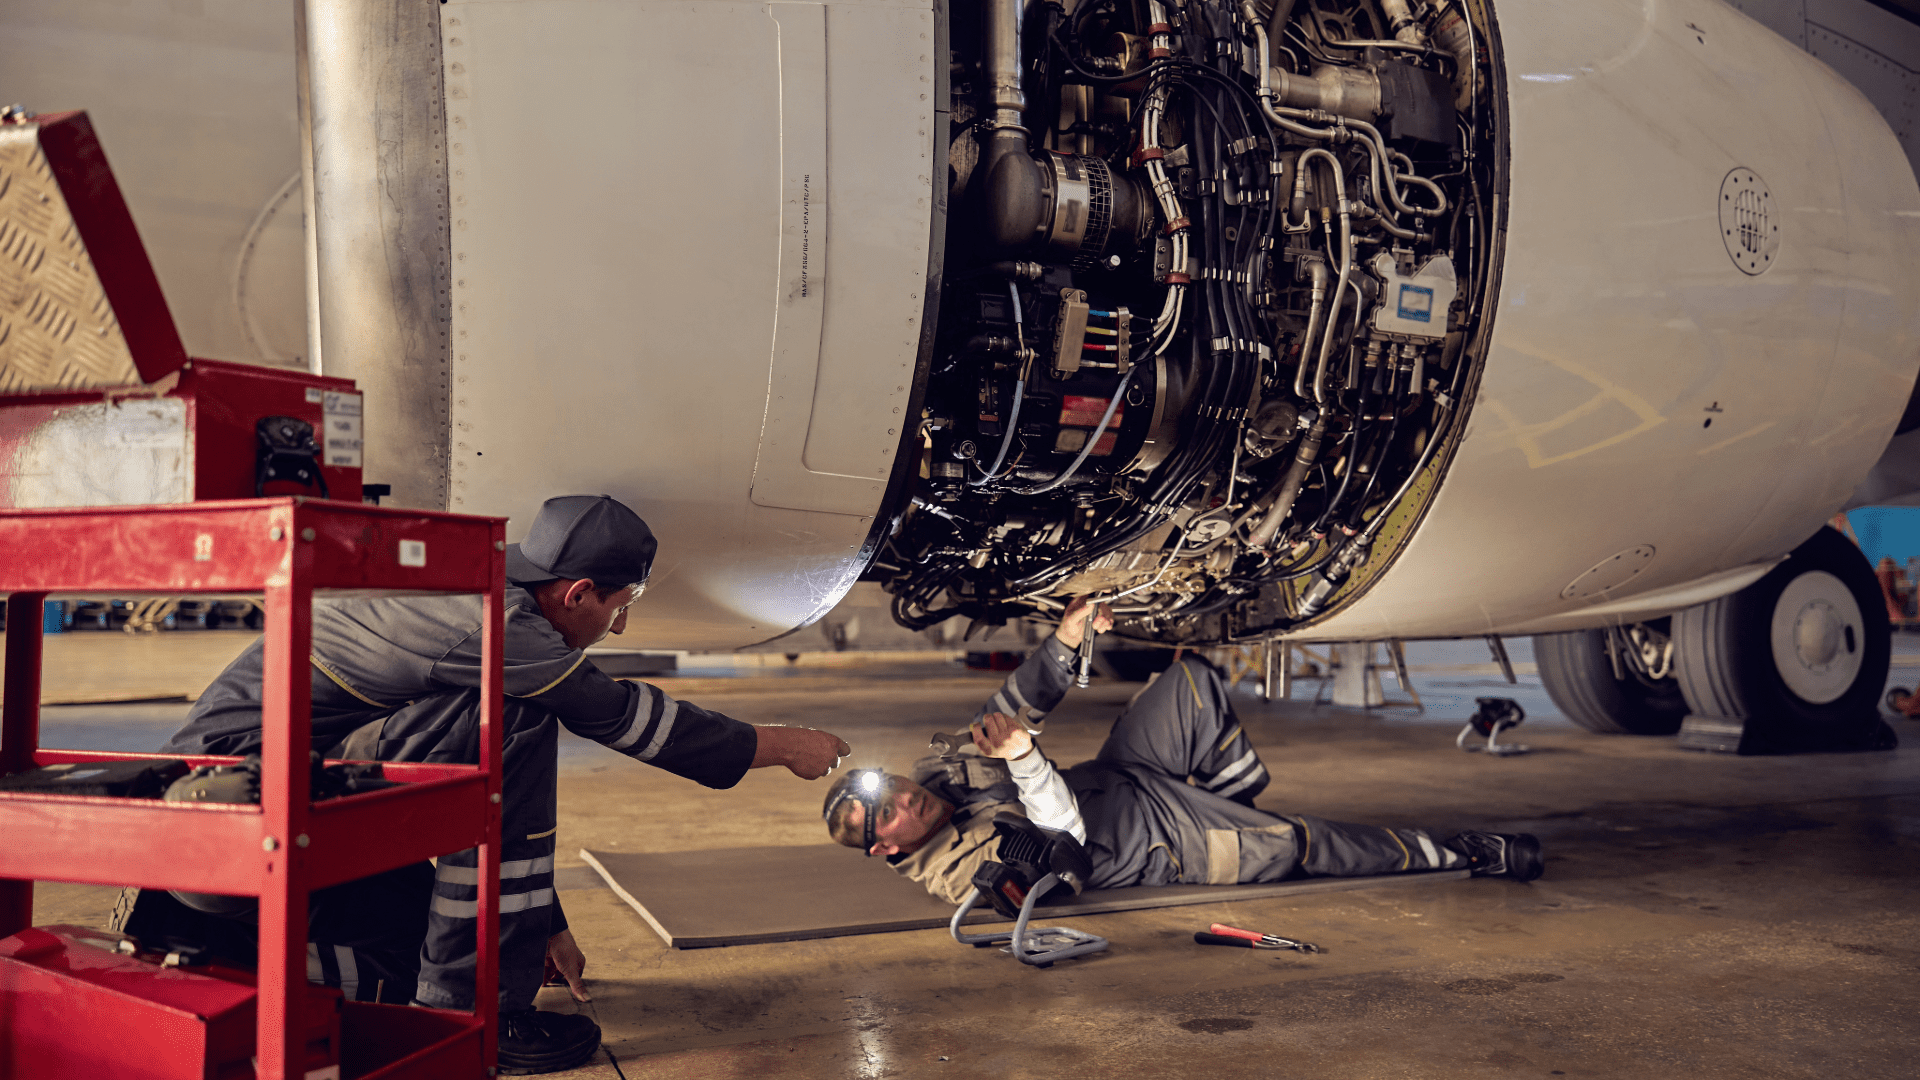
1333 322
1277 28
1343 91
1400 20
1346 265
303 98
1318 273
1006 96
380 229
1291 483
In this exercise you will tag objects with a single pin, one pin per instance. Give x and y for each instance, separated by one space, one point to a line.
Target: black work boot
1507 855
533 1042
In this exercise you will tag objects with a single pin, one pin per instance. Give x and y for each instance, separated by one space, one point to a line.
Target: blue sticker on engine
1416 303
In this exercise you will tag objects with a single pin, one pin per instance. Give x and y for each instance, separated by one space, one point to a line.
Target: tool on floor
948 745
1033 861
1236 936
1495 715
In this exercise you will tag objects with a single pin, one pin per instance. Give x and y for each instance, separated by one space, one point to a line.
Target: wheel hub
1819 637
1817 634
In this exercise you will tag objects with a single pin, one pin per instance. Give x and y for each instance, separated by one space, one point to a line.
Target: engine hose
1092 440
1290 483
1386 447
1317 274
1354 458
1355 551
1019 391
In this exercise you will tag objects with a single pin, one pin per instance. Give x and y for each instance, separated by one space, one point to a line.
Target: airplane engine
1319 319
1361 320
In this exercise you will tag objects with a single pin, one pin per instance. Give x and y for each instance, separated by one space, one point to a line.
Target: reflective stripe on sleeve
470 875
661 711
1246 782
1013 688
343 684
1221 778
513 902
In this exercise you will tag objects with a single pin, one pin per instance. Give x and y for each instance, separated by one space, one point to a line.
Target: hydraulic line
1288 490
1092 440
1205 70
1357 548
1019 390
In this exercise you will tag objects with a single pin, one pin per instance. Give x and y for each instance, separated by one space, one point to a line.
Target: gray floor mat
746 896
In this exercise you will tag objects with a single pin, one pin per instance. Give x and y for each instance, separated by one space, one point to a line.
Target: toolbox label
341 421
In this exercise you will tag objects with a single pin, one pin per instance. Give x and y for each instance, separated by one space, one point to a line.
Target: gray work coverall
397 679
1169 798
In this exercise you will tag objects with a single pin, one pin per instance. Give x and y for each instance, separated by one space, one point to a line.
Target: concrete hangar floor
1700 916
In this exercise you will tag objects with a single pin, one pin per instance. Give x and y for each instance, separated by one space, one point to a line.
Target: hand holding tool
1083 664
1257 940
1083 659
948 745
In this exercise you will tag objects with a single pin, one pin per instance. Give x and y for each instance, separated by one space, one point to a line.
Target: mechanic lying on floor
1168 800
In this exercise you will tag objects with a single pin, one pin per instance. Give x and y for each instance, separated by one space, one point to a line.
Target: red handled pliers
1222 934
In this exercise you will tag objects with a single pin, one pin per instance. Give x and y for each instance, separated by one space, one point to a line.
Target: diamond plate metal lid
79 304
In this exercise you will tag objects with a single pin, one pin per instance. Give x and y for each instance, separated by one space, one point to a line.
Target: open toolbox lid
80 306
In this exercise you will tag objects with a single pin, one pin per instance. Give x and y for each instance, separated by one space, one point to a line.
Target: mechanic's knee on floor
1259 854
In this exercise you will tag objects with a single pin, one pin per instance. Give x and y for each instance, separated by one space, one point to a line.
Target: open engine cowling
1370 319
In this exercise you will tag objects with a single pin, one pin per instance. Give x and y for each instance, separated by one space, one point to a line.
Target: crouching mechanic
398 679
1168 800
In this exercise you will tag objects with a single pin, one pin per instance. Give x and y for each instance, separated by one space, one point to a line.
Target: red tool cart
289 548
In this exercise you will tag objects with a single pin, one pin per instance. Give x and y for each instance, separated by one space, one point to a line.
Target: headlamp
868 787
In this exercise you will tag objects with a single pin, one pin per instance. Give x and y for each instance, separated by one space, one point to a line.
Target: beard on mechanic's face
909 816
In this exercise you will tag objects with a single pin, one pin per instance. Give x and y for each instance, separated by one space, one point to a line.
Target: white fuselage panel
679 231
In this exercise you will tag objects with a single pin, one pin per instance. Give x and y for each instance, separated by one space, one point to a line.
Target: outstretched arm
808 752
1043 791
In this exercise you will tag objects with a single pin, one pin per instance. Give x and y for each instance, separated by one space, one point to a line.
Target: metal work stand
1039 947
286 846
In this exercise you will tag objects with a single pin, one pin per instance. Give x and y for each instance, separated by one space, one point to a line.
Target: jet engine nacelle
1705 331
1329 319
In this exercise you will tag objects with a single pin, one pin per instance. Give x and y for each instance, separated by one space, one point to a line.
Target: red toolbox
57 982
191 436
100 405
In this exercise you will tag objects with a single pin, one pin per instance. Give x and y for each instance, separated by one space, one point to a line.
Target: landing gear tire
1578 675
1800 655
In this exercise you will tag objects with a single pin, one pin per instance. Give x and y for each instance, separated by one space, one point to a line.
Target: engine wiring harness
1215 277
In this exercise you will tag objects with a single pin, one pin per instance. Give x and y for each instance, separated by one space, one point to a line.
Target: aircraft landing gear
1601 680
1793 662
1799 657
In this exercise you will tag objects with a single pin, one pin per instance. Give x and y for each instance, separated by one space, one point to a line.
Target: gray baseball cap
584 536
